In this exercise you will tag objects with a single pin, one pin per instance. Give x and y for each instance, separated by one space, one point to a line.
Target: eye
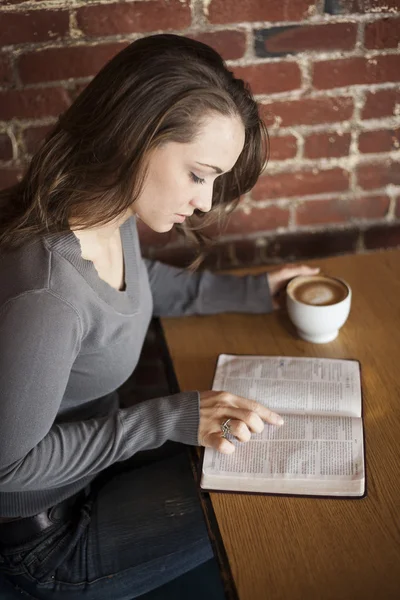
196 179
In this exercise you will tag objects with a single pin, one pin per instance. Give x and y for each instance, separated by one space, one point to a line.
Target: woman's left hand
279 277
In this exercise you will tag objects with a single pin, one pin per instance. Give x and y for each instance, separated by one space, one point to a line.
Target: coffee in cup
319 291
318 306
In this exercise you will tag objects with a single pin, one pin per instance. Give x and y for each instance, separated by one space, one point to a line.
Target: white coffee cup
318 306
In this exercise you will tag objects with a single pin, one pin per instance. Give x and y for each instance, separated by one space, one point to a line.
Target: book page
326 452
293 385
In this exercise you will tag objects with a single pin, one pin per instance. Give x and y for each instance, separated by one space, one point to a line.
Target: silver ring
225 428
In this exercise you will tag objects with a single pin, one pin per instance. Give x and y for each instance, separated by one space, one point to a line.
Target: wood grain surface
296 548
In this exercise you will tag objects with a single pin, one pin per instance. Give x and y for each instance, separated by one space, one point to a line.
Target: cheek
175 190
165 192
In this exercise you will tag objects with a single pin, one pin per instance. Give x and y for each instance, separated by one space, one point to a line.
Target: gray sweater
68 340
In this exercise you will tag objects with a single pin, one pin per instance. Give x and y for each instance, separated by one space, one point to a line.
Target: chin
161 227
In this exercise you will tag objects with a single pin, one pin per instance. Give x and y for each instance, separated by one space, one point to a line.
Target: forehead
219 141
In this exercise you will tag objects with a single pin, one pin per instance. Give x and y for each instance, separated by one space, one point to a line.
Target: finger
294 270
266 414
240 430
276 304
219 443
253 414
230 403
279 299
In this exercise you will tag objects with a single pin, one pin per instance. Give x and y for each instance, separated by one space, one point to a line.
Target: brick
5 70
178 256
314 212
286 247
219 256
33 103
378 175
113 19
382 34
279 41
76 89
263 219
21 1
382 236
245 252
33 26
307 111
34 136
356 71
232 11
340 7
9 177
63 63
312 245
329 145
381 140
283 147
6 150
370 207
300 183
271 78
384 103
229 44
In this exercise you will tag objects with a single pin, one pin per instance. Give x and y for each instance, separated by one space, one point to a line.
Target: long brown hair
93 164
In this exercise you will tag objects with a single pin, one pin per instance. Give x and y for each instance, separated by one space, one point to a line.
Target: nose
203 199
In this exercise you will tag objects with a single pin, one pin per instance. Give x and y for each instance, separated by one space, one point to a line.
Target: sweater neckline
75 241
125 301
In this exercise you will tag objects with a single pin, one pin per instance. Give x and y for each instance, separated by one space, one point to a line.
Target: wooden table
308 548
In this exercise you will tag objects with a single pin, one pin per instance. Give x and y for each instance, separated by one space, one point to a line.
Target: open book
320 448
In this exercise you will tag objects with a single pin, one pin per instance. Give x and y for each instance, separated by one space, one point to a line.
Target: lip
180 217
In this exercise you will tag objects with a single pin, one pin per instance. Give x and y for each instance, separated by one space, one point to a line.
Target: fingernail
278 420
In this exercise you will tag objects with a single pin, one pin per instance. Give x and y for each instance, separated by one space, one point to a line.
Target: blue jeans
139 527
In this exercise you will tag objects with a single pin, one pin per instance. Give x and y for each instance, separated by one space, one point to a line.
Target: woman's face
180 177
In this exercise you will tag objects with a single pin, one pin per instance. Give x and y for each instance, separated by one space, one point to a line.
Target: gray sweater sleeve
40 336
179 292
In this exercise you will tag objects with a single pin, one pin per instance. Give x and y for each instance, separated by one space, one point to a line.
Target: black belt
22 530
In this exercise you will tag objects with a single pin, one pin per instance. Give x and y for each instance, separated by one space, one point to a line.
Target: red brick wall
326 74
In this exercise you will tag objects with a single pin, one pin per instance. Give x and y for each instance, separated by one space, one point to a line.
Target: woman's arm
179 292
40 337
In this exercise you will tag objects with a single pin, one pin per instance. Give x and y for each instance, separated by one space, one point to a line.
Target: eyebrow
216 169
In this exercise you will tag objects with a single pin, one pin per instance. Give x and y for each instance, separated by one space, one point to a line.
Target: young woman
163 134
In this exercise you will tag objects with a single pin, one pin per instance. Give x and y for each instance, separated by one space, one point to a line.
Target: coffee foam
319 294
317 290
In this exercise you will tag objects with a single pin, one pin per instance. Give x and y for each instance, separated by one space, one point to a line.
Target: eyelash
197 179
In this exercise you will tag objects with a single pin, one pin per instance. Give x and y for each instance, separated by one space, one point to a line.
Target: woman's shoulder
34 268
23 269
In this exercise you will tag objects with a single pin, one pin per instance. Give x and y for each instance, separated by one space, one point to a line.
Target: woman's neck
94 240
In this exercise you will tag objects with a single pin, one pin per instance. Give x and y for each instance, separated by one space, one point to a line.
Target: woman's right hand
246 416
